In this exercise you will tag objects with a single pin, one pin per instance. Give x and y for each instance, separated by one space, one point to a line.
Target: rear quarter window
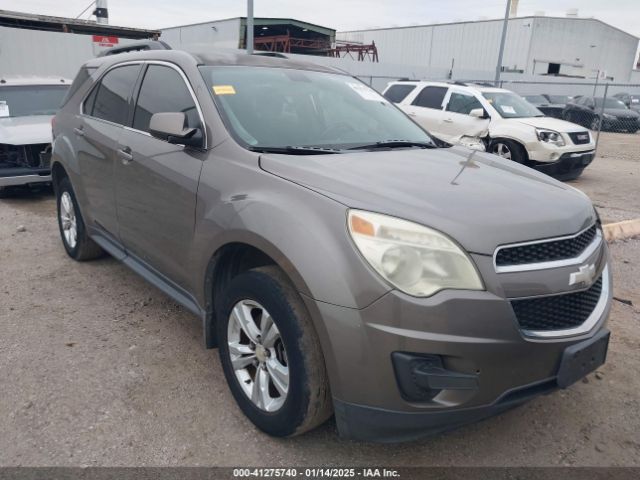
83 75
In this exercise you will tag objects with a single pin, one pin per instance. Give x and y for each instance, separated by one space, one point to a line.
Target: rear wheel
271 355
509 150
77 243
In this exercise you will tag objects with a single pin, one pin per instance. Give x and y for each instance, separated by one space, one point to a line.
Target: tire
293 348
508 149
6 192
77 243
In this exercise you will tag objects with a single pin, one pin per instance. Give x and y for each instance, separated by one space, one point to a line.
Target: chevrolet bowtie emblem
584 275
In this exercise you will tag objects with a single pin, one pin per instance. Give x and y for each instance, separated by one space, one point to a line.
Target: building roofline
30 21
490 20
256 20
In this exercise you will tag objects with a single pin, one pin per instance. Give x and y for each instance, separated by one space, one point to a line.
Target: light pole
502 41
250 27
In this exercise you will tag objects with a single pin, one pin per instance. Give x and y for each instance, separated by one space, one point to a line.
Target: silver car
27 105
340 260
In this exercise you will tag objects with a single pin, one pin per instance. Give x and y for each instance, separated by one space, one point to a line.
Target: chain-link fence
597 106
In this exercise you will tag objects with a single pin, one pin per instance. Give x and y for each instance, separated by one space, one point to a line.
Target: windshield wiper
394 144
295 150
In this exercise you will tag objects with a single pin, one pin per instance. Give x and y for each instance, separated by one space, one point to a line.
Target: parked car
337 257
510 126
589 112
558 99
630 100
543 104
27 105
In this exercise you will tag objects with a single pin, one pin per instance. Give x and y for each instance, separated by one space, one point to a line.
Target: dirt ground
99 368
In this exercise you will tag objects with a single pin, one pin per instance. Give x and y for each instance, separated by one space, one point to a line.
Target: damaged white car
500 120
27 105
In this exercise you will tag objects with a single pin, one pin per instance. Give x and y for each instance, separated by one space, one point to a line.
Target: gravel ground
99 368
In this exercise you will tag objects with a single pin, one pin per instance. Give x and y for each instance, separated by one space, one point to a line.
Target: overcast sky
338 14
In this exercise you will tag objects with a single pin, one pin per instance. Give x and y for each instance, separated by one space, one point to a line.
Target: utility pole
502 41
250 27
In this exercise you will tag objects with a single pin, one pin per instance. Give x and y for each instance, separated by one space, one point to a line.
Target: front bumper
369 423
475 334
20 180
567 167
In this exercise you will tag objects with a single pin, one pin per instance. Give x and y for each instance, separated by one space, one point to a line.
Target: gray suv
339 259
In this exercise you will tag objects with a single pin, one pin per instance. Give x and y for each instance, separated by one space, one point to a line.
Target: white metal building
54 46
536 45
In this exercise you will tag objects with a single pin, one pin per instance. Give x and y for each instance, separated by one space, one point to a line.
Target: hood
479 199
550 123
25 130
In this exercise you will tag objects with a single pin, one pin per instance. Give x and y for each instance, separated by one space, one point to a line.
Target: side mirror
478 113
170 126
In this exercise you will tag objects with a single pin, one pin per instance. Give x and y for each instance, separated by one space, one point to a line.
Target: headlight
413 258
550 136
607 116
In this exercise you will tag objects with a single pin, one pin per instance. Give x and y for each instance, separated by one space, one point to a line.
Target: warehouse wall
35 52
219 34
473 46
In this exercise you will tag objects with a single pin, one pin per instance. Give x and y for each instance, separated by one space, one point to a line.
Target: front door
157 181
457 122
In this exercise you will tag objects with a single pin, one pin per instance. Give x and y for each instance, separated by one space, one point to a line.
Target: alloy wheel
502 150
257 355
68 220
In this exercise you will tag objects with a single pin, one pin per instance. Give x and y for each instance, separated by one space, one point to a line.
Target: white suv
27 105
508 125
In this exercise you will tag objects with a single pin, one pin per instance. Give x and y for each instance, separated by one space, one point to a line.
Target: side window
397 93
431 97
461 103
111 102
87 106
163 90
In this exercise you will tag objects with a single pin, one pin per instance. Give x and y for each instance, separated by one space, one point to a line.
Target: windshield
536 99
610 103
510 105
23 100
279 107
559 98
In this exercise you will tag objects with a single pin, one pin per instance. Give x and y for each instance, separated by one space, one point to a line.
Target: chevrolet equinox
341 260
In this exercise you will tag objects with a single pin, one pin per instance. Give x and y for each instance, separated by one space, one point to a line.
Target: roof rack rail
137 47
407 79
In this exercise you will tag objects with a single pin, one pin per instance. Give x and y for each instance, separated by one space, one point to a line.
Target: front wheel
509 150
271 355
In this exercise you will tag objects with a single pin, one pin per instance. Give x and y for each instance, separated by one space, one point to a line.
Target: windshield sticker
635 100
508 109
224 90
366 92
4 109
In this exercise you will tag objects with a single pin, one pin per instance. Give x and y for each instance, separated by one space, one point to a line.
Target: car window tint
431 97
83 75
87 106
113 94
397 93
163 90
460 103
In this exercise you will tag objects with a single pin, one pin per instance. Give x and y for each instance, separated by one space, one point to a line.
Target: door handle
412 114
79 131
125 154
448 120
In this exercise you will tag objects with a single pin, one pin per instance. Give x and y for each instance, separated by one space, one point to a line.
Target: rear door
157 181
456 121
104 113
426 108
